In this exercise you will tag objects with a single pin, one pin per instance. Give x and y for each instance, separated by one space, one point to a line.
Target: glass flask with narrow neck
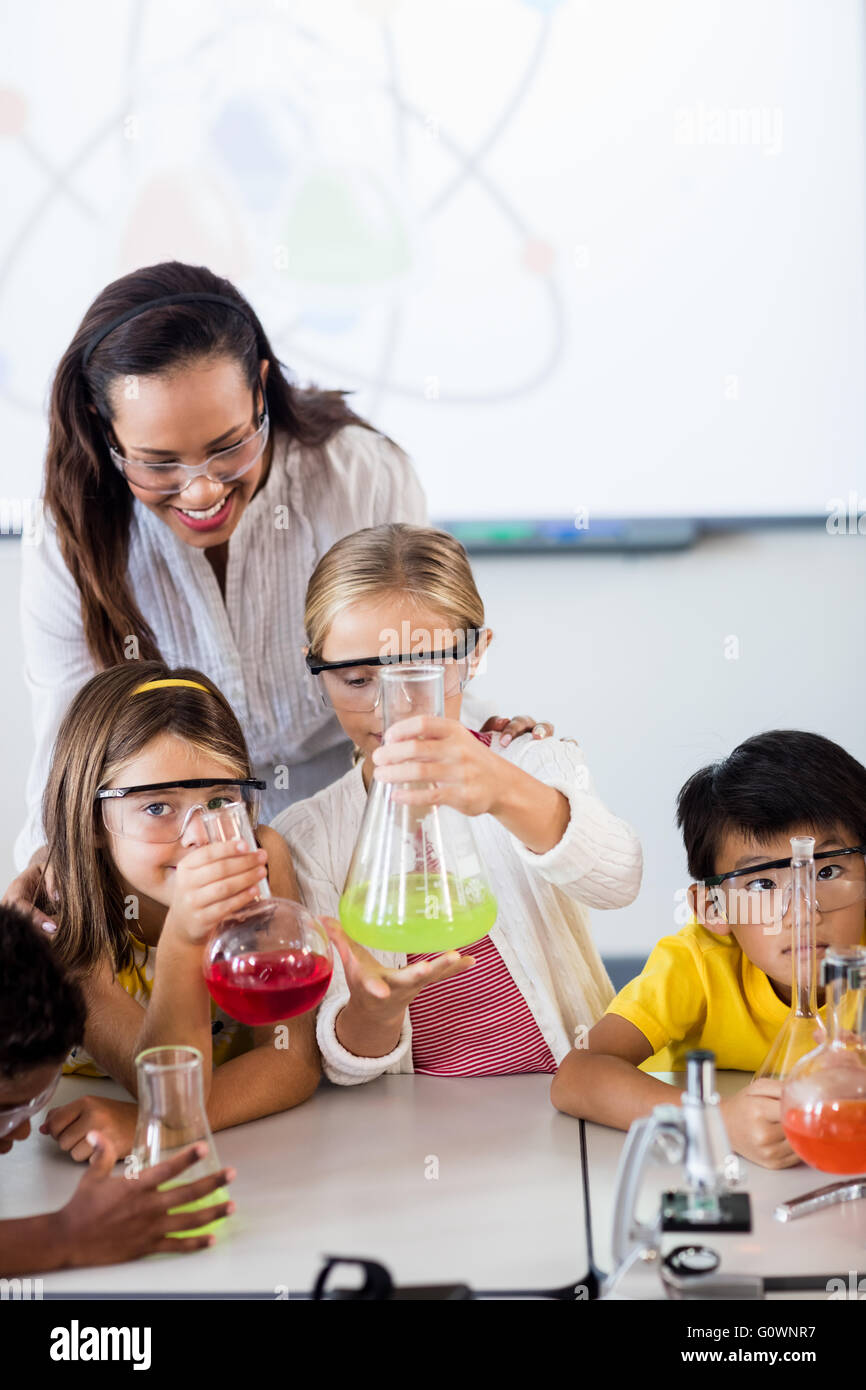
269 960
171 1116
824 1096
803 1029
416 882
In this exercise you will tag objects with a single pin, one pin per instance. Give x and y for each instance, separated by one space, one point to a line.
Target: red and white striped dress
477 1024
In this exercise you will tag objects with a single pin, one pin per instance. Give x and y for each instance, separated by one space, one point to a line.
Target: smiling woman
201 502
190 489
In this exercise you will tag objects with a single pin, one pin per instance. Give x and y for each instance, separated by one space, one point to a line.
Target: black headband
189 297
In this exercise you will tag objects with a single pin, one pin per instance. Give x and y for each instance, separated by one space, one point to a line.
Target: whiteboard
599 258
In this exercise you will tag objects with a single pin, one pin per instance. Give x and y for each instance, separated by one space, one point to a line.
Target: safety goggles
13 1116
761 894
355 685
137 813
225 466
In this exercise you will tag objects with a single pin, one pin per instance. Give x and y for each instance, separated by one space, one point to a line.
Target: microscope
692 1134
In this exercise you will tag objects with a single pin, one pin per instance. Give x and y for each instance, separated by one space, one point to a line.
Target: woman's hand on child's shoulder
518 724
70 1125
426 748
211 882
753 1121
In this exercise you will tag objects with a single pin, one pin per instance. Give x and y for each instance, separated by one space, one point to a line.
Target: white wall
619 233
627 653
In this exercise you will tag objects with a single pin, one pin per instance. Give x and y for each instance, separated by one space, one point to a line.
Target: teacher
190 490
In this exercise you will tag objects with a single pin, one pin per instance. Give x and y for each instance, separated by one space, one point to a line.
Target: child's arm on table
269 1078
602 1083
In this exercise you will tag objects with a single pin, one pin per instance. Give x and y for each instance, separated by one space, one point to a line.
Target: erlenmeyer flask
824 1097
416 882
269 960
803 1029
171 1116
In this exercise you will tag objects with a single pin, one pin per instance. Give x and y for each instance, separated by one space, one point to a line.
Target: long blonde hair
102 730
430 567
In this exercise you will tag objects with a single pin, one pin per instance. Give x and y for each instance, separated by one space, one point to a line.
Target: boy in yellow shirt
724 981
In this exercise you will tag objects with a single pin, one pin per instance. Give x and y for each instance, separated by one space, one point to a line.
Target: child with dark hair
724 981
42 1017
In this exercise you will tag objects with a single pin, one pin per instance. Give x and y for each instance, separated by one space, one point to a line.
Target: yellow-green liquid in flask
212 1199
425 920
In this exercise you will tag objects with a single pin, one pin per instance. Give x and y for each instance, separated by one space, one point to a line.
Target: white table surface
344 1174
822 1245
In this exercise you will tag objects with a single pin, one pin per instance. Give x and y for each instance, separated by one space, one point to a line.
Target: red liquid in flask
266 986
832 1140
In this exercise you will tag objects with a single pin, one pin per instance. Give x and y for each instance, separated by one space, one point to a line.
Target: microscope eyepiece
701 1073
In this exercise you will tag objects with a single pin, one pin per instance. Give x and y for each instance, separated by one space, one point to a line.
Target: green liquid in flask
212 1199
421 922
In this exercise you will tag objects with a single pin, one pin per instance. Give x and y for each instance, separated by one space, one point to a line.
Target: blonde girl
141 748
516 1000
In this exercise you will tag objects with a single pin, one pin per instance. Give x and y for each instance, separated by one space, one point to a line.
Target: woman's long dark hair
88 499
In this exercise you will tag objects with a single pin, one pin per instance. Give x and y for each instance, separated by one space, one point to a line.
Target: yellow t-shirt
230 1038
700 990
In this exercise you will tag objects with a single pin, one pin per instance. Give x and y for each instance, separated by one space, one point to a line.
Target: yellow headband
157 685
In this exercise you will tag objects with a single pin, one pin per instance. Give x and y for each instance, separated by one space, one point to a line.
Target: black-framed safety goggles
762 893
455 653
354 685
755 870
159 812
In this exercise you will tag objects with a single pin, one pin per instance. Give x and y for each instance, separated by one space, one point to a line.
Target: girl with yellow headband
140 750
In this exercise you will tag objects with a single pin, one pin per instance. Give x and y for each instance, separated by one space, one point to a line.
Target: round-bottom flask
824 1096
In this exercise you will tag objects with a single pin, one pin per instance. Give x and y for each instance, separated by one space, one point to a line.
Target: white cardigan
250 644
542 931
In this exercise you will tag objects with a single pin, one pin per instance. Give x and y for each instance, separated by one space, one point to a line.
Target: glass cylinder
416 882
171 1117
270 960
803 1029
824 1097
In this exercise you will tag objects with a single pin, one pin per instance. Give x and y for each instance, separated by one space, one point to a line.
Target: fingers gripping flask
416 882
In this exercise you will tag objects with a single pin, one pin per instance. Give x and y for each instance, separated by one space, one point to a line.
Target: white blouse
250 644
542 929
